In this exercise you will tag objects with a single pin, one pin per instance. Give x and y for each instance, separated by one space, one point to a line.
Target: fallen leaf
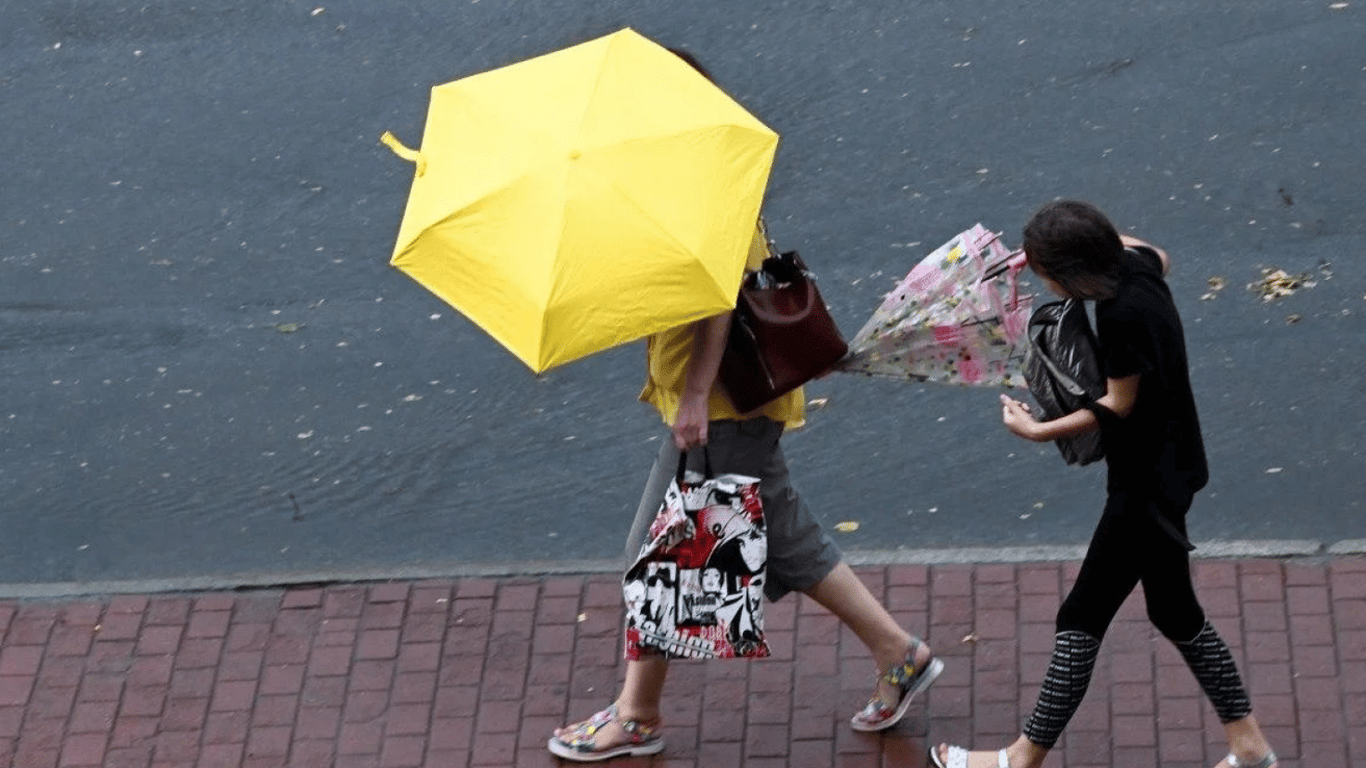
289 327
848 526
971 638
1277 284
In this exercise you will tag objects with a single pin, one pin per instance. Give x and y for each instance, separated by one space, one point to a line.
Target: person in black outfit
1156 463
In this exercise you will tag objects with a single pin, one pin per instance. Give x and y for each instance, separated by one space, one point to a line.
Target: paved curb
959 555
1050 554
1348 547
476 672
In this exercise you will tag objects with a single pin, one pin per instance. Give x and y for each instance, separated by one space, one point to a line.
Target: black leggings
1129 547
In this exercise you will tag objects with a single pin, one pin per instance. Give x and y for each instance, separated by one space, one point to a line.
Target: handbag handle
784 306
683 465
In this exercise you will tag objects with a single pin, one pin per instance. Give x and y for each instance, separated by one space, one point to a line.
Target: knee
1073 617
1178 626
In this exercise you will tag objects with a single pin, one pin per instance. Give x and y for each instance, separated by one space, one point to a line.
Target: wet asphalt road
208 369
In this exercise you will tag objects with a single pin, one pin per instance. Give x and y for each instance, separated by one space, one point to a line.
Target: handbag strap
1061 377
683 465
769 247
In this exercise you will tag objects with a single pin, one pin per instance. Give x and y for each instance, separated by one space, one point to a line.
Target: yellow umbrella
585 198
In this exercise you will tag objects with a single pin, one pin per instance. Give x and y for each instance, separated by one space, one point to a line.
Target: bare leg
845 595
643 688
639 700
842 593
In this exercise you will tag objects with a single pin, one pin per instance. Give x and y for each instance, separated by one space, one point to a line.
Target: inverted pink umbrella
956 318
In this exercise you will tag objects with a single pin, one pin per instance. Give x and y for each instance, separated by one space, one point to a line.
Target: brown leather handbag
781 335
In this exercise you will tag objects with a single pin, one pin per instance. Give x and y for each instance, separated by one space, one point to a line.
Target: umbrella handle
1014 262
411 155
1011 265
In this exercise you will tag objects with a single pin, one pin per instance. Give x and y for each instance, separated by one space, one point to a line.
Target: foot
897 687
1266 760
1023 753
606 735
945 756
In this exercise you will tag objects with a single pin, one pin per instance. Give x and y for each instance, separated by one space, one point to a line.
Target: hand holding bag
781 335
697 588
1063 371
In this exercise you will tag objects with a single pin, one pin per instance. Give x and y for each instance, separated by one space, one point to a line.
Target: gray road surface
208 369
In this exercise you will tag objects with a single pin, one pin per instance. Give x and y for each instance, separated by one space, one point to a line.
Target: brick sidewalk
476 672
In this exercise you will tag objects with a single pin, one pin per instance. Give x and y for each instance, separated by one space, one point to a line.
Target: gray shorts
800 553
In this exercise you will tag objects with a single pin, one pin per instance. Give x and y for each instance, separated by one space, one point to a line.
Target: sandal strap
640 731
906 670
958 758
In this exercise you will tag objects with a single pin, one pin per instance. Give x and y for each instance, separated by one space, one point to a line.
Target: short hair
1073 244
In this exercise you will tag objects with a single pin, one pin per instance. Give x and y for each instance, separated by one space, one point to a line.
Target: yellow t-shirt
668 353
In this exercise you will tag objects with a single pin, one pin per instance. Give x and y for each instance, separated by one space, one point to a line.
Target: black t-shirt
1157 451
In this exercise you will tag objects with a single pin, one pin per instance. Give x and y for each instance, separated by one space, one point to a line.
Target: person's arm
1120 396
1130 241
709 342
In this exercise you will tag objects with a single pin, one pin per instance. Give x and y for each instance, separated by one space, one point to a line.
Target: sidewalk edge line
948 556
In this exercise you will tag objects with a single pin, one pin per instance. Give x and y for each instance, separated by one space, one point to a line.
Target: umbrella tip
391 141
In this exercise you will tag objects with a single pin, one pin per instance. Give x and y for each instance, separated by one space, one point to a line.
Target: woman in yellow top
683 387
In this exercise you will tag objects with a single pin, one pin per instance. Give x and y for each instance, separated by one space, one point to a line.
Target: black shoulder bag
1063 371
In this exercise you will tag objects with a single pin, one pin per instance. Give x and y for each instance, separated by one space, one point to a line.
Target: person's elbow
1121 395
1122 410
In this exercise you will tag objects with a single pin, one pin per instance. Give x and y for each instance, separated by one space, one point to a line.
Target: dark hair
692 61
1073 244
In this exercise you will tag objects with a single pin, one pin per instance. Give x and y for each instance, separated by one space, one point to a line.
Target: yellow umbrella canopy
585 198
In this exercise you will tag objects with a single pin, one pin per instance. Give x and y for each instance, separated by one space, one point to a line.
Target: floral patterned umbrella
957 318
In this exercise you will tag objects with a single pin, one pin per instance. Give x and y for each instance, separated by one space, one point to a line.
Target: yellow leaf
848 526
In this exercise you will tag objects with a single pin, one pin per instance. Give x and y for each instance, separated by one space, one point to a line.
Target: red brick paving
468 673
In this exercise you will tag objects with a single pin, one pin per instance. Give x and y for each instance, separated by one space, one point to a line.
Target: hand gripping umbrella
957 318
585 198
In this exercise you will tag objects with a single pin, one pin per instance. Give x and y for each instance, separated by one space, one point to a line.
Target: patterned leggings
1129 547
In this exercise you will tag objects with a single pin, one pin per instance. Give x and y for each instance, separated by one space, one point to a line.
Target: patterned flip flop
878 715
578 745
